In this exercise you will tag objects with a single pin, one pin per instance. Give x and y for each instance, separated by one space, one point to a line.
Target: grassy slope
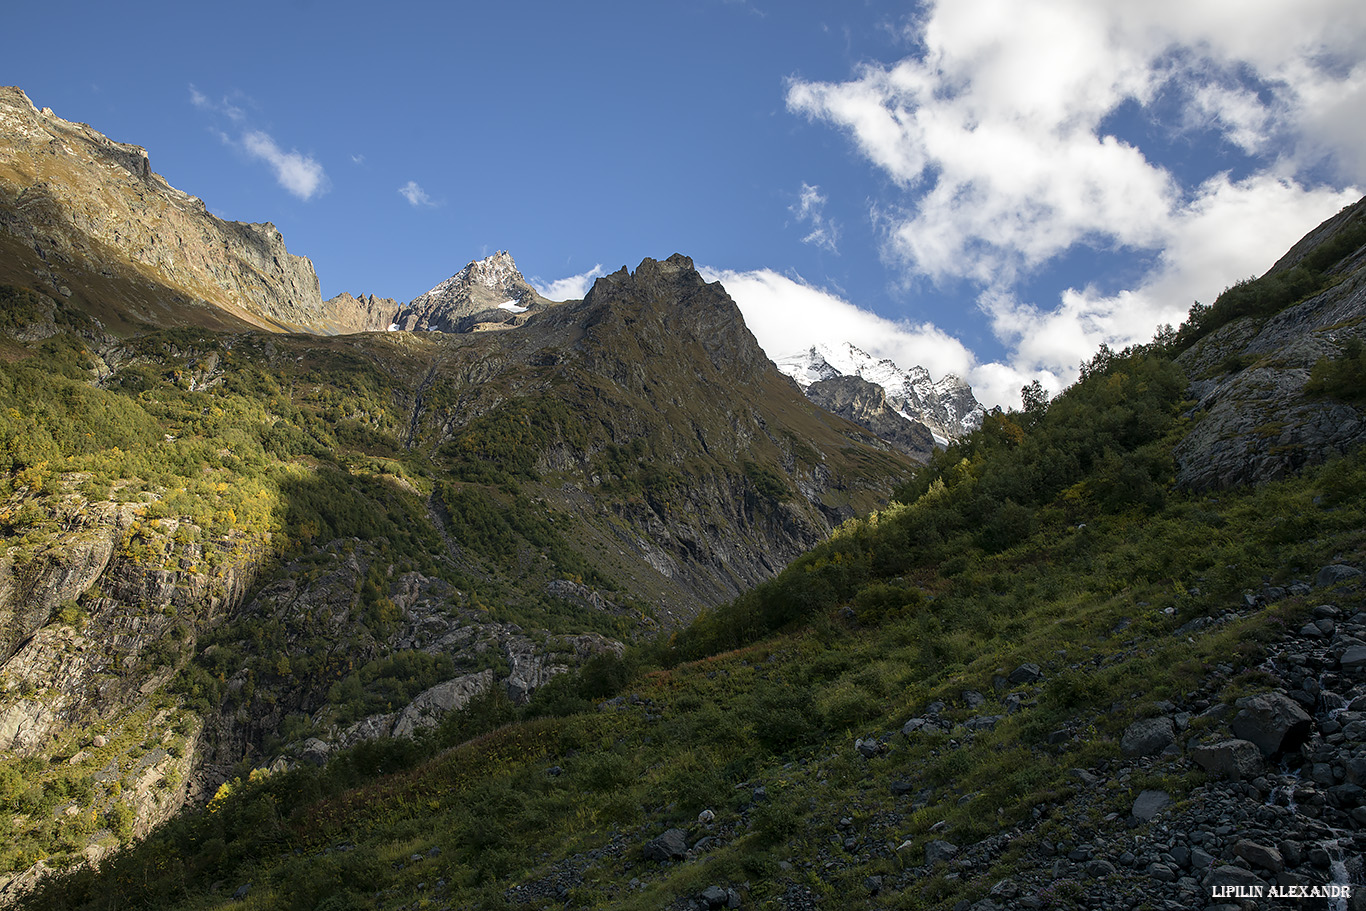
1047 537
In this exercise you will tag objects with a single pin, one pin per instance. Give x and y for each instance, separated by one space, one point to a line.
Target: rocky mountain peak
494 271
486 294
364 313
663 304
947 407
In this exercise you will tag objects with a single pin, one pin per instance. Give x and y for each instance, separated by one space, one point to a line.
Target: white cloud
572 288
416 196
788 315
810 208
300 174
996 135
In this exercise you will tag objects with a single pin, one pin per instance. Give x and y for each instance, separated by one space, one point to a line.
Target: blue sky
987 187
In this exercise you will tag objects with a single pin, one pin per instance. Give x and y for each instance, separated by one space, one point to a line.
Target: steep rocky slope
81 214
247 549
866 404
1259 417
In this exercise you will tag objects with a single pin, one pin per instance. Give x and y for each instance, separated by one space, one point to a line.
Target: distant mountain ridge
486 294
947 407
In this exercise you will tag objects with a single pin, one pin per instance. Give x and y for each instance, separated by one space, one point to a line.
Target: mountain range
844 379
489 601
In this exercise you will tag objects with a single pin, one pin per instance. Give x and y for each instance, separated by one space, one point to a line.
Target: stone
672 845
868 747
1354 659
1264 856
1099 868
1334 573
918 724
1239 760
1237 877
1347 796
1149 803
983 722
940 851
1025 673
714 897
1273 722
1147 737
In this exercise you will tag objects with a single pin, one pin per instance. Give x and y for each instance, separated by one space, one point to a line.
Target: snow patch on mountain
947 407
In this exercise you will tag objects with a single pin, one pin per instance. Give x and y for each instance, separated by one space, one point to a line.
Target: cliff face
865 404
84 215
1259 418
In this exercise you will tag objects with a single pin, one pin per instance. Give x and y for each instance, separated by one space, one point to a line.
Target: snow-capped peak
947 407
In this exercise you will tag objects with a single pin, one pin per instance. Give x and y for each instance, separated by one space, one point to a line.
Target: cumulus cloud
999 136
416 196
572 288
788 315
810 208
299 174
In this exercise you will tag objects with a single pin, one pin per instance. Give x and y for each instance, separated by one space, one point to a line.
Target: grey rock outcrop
1239 760
1256 423
865 404
1273 722
432 704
